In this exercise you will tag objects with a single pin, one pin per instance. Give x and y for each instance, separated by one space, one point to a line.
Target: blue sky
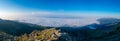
69 7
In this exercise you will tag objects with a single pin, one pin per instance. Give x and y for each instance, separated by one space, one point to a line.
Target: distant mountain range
107 21
107 30
96 32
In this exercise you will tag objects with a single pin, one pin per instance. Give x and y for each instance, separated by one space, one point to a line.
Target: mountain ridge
98 32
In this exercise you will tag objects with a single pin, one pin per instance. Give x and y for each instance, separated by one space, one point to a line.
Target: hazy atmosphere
59 20
59 12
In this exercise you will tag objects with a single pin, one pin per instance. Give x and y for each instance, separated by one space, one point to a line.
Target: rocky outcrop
51 34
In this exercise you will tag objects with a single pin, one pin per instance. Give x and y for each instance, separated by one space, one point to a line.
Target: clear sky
69 7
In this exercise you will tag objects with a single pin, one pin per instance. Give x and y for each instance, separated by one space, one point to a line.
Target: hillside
17 28
45 35
107 32
18 31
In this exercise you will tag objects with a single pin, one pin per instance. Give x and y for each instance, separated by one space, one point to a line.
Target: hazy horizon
59 12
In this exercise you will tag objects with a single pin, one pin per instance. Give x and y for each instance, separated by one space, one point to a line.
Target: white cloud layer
56 19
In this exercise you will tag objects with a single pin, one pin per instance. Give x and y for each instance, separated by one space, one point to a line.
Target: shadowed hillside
17 28
18 31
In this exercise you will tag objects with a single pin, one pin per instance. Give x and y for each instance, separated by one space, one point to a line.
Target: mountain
106 35
6 37
107 21
17 28
98 32
19 31
51 34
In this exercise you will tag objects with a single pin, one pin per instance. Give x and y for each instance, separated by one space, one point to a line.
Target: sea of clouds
54 19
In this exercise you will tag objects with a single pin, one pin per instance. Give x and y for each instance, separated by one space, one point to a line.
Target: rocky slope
31 32
51 34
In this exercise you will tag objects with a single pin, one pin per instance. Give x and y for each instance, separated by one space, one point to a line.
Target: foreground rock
51 34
